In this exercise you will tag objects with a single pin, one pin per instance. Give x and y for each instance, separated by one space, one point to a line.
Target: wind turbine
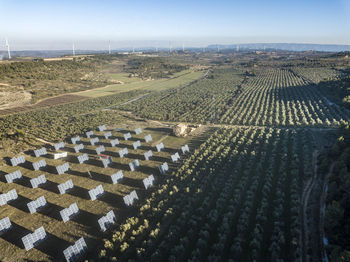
8 48
183 47
73 50
109 47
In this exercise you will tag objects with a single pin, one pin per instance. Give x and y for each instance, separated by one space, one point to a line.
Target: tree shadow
14 234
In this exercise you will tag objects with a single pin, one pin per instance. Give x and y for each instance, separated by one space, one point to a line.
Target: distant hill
285 46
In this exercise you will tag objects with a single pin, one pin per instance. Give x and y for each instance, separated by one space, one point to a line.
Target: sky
90 24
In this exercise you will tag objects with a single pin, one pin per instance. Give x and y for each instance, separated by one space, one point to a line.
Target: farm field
179 79
60 234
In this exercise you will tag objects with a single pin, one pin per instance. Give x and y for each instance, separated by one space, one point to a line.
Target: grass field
177 80
61 235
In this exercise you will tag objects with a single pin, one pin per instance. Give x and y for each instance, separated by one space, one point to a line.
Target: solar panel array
102 128
163 167
107 220
100 149
148 181
114 142
175 157
106 161
123 152
138 131
148 154
32 239
68 212
79 147
5 224
35 182
40 152
148 138
7 197
39 164
58 146
17 160
94 140
82 158
117 176
185 149
13 176
75 139
134 164
159 147
60 155
107 135
34 205
72 253
89 134
127 136
96 192
61 169
130 198
64 187
136 144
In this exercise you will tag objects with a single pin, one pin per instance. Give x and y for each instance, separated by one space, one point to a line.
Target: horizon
91 25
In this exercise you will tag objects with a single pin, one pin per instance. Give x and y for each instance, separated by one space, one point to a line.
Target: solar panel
130 198
32 239
159 147
61 169
148 138
134 164
59 145
39 164
136 144
148 154
34 205
138 131
106 161
13 176
79 147
17 160
127 136
36 182
89 134
94 141
123 152
72 253
175 157
96 192
40 152
7 197
148 181
101 128
185 149
69 212
75 139
107 135
114 142
5 224
64 187
163 167
60 155
100 149
117 176
107 220
82 158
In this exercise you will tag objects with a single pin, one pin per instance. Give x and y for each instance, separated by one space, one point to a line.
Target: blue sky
54 24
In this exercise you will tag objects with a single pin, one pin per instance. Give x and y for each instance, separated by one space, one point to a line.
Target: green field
177 80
